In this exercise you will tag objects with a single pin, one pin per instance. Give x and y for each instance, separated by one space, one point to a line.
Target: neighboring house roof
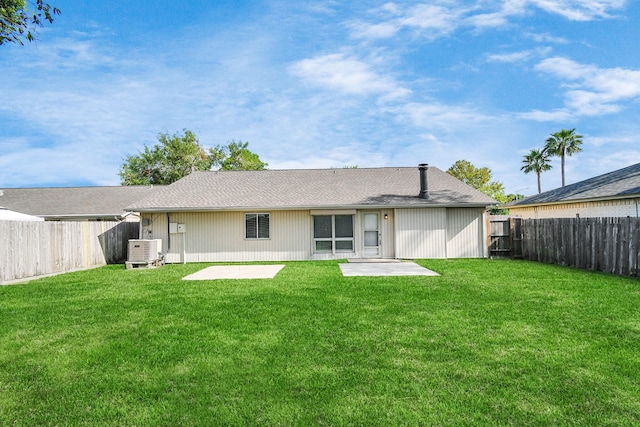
310 188
7 215
73 202
619 184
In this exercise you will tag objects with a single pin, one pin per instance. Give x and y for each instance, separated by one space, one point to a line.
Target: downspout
168 232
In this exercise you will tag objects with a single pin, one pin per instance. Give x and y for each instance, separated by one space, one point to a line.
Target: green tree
478 178
175 156
19 22
536 161
563 143
515 196
235 156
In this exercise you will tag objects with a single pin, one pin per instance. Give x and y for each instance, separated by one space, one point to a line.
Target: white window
256 226
333 233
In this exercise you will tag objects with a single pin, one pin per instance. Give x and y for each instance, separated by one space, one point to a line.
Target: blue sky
315 84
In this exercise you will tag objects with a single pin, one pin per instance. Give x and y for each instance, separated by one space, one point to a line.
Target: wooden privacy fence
30 249
602 244
505 236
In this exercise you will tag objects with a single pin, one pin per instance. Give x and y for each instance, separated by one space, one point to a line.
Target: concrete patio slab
218 272
385 269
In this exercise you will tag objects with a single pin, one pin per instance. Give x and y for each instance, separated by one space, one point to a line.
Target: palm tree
563 143
536 161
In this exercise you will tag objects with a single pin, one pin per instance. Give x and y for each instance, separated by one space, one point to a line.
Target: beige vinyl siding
465 233
421 233
156 227
219 236
406 233
603 208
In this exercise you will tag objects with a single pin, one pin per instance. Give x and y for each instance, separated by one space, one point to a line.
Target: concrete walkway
388 268
217 272
350 269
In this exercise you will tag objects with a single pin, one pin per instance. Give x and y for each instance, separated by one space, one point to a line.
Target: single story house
614 194
277 215
75 203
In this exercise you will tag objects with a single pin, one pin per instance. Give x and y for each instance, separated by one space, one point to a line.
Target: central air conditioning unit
145 250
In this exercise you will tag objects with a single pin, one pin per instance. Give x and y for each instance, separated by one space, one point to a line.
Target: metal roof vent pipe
424 185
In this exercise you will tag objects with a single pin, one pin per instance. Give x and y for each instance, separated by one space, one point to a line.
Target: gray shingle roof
68 202
622 183
310 188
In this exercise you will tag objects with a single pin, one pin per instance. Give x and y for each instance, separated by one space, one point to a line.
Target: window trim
257 225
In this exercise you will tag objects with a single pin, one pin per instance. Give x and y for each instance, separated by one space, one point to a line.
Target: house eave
102 216
572 201
304 208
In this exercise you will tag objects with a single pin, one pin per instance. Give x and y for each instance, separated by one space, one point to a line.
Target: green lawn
489 342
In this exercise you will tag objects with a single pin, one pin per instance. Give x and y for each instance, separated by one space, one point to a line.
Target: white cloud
510 57
593 90
580 10
613 161
521 56
374 31
428 19
587 103
89 100
61 165
628 138
435 115
546 38
593 161
558 115
434 18
348 75
439 18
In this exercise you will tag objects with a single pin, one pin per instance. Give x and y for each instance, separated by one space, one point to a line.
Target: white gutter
303 208
569 201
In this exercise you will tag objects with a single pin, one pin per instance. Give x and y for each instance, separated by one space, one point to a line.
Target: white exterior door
371 234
